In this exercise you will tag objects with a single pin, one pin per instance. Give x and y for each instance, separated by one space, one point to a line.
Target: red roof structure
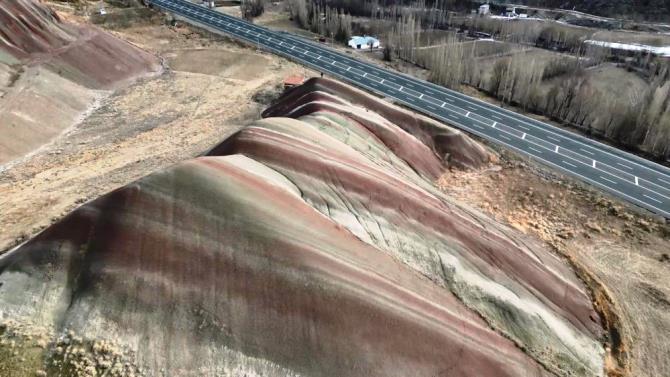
293 81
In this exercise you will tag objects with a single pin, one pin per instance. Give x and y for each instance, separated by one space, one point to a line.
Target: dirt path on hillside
206 96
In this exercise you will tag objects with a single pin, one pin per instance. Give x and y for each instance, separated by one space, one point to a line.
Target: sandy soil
213 87
626 250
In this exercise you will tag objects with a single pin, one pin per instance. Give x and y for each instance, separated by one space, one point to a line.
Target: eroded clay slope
313 246
51 72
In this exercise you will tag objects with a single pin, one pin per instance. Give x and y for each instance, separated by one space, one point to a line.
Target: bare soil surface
211 88
625 251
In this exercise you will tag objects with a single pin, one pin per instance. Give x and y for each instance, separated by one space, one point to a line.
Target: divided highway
629 177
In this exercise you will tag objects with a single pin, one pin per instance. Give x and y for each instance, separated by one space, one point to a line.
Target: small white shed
364 42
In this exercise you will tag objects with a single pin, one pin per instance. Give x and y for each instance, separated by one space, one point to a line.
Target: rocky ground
211 87
625 250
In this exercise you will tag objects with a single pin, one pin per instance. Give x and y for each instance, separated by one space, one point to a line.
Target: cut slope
300 247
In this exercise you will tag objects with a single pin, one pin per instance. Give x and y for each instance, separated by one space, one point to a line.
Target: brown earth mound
303 247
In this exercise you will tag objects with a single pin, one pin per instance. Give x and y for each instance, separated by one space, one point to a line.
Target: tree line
559 87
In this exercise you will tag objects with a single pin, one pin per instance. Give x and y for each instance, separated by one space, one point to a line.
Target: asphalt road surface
627 176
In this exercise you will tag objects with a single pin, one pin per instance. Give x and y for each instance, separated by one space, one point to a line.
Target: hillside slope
312 244
51 72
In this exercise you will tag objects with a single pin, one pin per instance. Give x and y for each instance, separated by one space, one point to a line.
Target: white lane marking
400 89
522 127
585 151
594 163
625 166
535 149
382 81
432 107
556 150
567 163
663 180
449 100
637 181
650 198
523 137
443 104
505 137
496 117
494 124
608 180
410 85
421 96
365 74
467 115
478 126
553 138
348 69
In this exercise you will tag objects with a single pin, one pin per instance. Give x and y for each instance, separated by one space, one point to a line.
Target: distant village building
510 12
364 42
484 9
514 12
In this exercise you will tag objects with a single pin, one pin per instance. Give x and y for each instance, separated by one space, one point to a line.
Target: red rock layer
28 27
403 202
34 34
444 141
312 246
284 283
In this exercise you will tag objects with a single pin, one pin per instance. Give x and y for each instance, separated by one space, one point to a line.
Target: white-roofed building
364 42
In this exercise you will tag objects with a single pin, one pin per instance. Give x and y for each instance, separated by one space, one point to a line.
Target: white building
484 9
511 12
364 42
